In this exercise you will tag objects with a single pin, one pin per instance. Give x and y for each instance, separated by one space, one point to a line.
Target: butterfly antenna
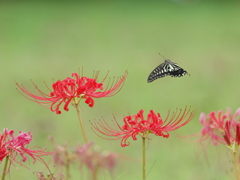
162 56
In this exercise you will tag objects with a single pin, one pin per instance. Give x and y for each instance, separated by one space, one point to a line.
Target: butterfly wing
158 72
165 69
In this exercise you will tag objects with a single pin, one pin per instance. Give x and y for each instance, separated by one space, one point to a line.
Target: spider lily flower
138 125
72 90
220 127
13 147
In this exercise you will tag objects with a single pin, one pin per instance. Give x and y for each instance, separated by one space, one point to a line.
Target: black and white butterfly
168 68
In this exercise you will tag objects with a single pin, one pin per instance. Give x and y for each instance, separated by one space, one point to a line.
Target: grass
41 41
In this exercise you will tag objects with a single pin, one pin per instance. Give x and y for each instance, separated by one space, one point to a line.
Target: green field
45 41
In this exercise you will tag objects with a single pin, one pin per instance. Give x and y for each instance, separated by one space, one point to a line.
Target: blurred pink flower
93 158
221 127
73 90
88 156
138 125
16 146
57 176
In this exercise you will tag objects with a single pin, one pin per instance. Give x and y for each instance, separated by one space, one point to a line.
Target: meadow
45 41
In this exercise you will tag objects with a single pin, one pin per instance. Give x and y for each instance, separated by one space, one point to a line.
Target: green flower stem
236 164
81 123
67 167
95 174
143 159
5 168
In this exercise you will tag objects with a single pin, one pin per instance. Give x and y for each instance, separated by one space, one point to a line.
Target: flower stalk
67 167
236 164
143 158
75 104
95 174
5 167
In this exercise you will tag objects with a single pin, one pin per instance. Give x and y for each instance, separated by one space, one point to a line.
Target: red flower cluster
221 127
138 125
13 146
73 90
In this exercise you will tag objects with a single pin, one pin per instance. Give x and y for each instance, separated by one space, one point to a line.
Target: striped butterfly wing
168 68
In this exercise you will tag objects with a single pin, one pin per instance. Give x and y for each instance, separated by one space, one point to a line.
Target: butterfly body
168 68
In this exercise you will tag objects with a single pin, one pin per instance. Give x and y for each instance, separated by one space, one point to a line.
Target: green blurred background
41 41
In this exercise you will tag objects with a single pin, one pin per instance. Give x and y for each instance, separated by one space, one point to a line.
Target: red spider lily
73 90
14 146
222 128
138 125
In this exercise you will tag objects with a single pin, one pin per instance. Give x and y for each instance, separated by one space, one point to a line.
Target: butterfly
168 68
